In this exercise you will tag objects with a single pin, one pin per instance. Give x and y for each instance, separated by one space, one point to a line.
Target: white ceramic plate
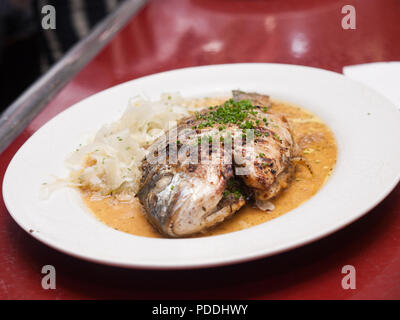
366 126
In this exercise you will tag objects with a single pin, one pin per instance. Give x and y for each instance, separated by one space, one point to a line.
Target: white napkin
384 77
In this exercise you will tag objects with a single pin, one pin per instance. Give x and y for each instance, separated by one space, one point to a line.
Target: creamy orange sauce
318 146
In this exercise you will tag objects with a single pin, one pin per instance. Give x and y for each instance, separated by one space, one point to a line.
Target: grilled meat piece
275 150
182 198
185 198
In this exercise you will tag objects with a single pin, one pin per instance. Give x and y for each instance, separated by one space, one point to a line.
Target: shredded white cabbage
110 161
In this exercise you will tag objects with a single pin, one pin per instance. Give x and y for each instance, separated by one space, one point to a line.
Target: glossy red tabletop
169 34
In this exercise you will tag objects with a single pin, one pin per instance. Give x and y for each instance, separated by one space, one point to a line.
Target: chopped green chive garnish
277 137
234 112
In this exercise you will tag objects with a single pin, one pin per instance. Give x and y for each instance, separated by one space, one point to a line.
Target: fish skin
182 199
270 173
193 204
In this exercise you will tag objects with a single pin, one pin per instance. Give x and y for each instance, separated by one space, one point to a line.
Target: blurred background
169 34
27 50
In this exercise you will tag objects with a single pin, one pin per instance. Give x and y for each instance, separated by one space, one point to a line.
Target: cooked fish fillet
182 198
275 150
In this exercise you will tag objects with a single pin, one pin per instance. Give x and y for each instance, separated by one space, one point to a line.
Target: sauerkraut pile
109 162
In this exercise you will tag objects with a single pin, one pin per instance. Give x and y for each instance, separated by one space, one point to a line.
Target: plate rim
206 264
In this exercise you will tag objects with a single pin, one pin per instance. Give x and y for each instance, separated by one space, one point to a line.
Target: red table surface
169 34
